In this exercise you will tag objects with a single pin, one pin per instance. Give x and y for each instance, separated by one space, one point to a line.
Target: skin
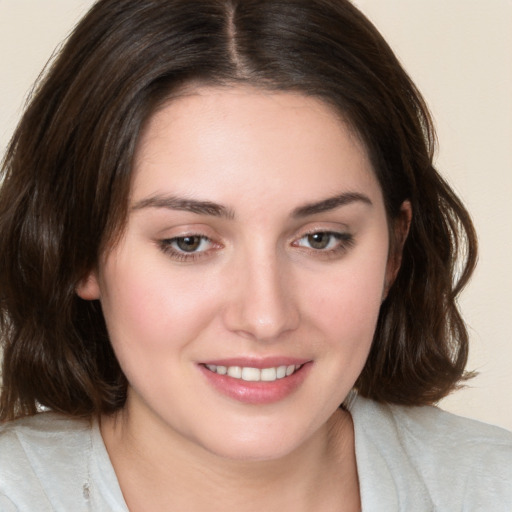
258 283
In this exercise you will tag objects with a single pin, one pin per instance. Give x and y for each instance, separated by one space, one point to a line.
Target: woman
228 272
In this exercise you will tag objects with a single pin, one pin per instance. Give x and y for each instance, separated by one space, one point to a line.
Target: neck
156 470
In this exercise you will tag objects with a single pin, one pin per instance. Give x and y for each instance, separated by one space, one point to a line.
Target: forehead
231 141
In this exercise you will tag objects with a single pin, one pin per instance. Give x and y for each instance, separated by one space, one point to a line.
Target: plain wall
459 52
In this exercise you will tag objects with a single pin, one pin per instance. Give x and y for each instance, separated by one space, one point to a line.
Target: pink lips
259 392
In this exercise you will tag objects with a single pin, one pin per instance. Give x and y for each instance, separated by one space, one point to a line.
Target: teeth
255 374
235 372
251 374
269 374
281 372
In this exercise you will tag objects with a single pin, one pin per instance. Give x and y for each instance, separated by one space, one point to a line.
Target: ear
398 234
88 288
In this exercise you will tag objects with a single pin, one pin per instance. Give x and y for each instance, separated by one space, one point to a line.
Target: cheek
348 305
145 307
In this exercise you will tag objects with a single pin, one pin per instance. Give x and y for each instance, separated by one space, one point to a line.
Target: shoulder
42 436
43 423
40 455
450 462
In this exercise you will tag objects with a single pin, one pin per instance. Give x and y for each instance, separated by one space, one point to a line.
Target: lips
256 381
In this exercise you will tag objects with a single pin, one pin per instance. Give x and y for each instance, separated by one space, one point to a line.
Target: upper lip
257 362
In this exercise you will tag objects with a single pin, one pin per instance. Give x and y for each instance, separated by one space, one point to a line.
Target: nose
263 302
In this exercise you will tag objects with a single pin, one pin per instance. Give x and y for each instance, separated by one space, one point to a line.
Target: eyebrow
218 210
330 203
184 204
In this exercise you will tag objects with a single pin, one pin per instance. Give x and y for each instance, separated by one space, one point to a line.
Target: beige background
459 52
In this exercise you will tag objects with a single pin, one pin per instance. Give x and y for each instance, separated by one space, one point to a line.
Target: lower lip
257 393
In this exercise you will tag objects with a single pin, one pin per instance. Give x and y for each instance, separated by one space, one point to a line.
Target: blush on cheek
355 301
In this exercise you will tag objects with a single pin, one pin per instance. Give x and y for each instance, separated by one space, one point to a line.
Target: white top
417 459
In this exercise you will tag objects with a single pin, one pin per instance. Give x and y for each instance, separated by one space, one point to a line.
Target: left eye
322 240
189 244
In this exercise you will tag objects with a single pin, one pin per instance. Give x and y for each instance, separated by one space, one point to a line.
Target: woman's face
242 299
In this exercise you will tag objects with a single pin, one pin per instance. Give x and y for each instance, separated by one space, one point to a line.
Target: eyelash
344 241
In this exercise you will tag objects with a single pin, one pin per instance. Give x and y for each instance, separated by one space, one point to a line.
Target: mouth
249 374
257 381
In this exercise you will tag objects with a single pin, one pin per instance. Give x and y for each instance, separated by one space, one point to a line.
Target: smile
249 374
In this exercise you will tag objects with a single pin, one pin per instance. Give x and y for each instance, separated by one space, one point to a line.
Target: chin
257 444
253 452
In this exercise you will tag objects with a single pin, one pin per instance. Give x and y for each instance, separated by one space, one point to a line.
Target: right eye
186 248
192 243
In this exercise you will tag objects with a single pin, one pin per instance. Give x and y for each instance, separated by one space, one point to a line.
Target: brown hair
66 178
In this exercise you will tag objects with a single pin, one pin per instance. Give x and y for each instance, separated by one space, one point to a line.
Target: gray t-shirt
410 459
